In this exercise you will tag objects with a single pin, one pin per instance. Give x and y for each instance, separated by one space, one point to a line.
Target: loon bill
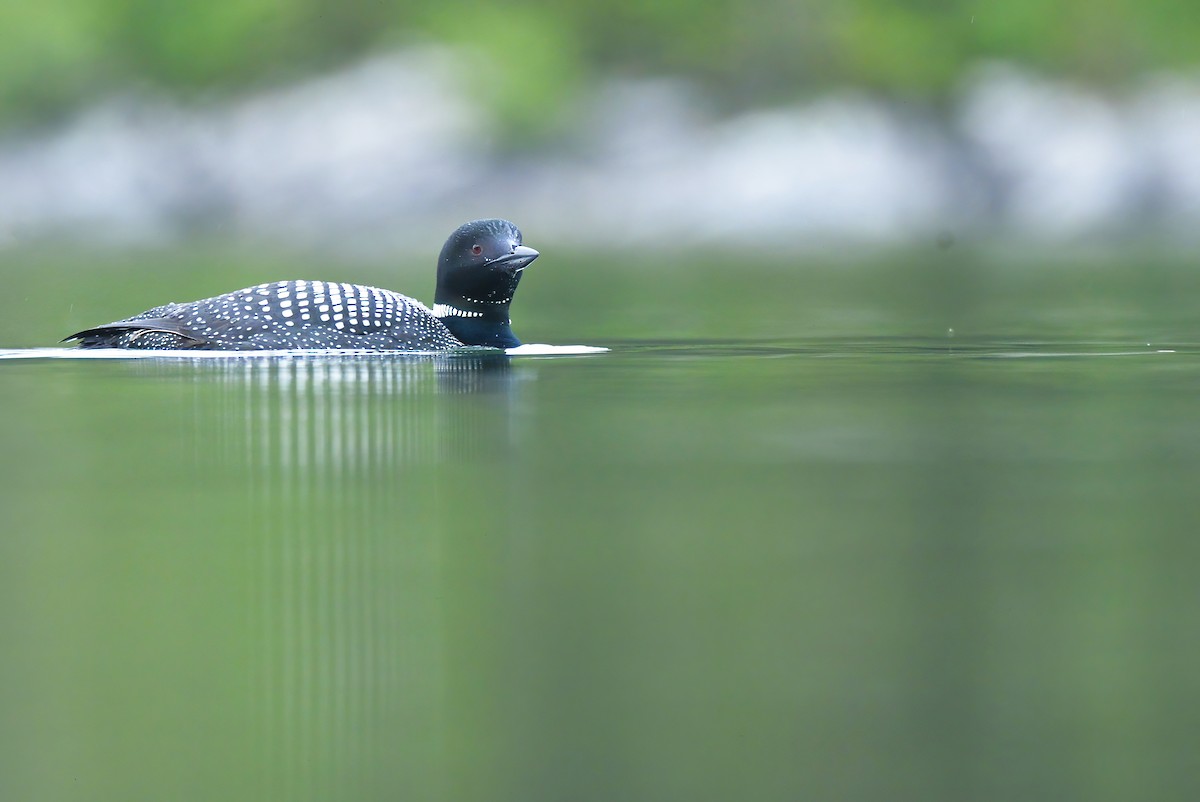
477 275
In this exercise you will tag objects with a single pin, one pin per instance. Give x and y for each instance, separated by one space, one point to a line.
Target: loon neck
478 324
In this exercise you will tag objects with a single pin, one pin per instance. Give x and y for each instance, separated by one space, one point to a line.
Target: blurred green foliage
55 54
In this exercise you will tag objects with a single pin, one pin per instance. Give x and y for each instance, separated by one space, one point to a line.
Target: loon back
282 315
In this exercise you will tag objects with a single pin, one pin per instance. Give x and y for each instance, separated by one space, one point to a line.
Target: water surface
843 563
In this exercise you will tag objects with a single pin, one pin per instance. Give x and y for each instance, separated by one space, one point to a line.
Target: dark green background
532 56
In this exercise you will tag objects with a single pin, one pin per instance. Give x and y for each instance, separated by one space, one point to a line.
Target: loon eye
476 249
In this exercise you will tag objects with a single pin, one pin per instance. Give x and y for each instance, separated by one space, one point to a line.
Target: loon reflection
354 467
386 411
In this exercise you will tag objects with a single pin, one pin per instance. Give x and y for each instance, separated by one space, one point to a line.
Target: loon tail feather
106 335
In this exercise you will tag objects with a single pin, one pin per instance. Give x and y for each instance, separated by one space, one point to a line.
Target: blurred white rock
392 151
1065 162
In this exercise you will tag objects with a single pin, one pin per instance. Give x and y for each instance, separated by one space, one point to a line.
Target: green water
790 539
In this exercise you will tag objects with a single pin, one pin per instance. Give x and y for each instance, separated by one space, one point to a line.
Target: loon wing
160 324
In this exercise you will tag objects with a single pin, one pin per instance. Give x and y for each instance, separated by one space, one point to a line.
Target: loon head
478 272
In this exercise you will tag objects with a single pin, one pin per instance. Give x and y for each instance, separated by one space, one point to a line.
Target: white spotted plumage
350 316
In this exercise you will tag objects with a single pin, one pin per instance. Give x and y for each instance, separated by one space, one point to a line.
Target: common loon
478 271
